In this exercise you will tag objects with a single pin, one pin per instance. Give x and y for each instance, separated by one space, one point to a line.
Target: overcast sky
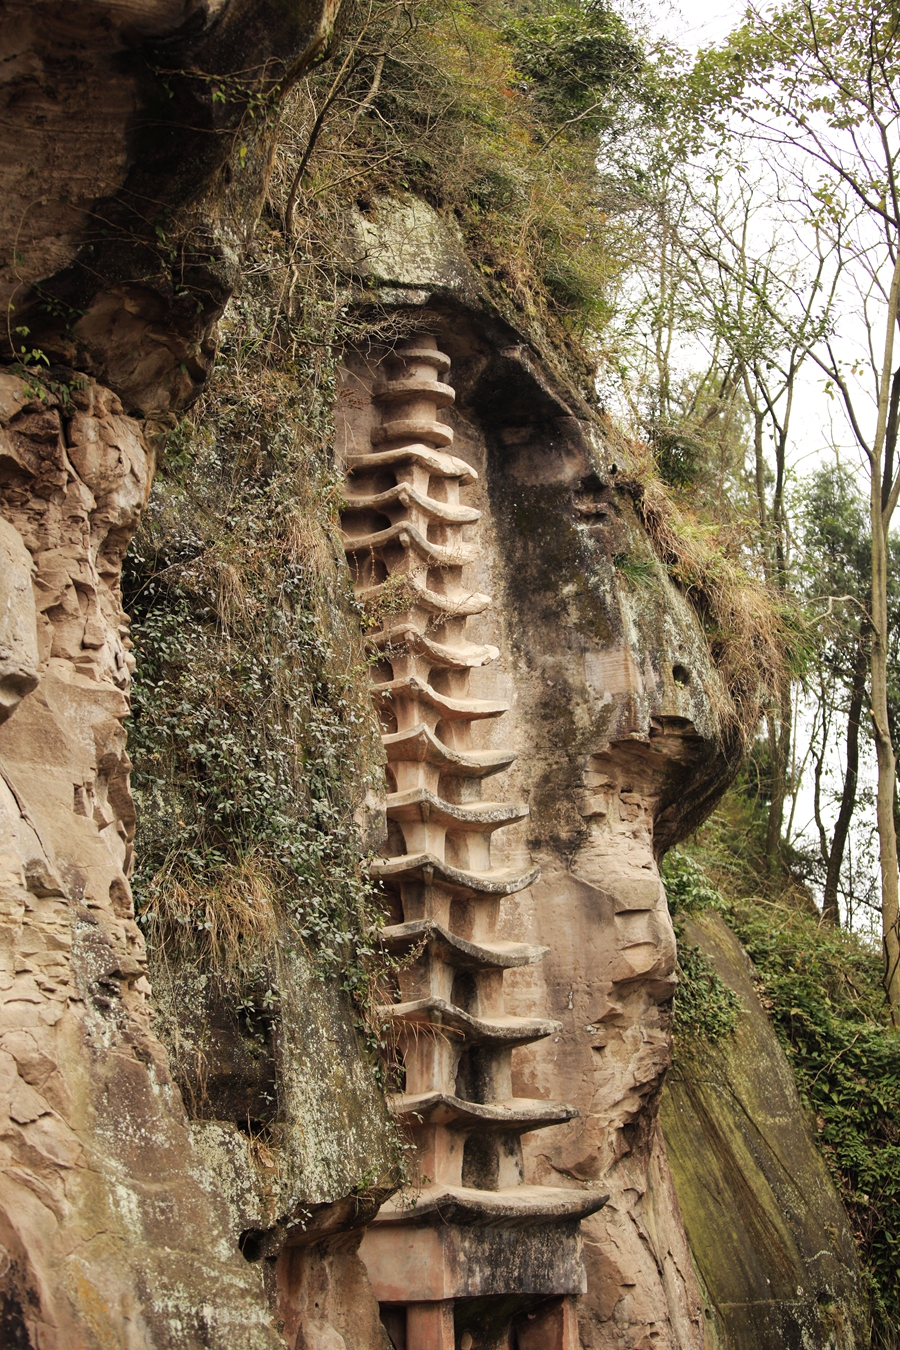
695 23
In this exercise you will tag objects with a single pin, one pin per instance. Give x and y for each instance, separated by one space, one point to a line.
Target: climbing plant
705 1008
252 734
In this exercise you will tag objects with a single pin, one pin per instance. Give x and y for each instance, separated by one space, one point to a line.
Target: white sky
694 23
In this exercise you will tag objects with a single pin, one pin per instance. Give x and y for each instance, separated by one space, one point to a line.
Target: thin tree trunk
830 910
760 470
890 439
884 751
786 721
881 512
779 754
782 745
778 723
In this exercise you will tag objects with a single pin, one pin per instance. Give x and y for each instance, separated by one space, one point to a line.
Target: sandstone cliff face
123 220
613 688
124 1221
612 717
120 1226
108 1236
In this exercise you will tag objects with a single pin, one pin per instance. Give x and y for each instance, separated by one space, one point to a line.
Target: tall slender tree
817 84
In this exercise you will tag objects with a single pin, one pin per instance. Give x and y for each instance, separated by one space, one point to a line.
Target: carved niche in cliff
532 1015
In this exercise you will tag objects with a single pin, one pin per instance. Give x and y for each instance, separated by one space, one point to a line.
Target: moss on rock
769 1236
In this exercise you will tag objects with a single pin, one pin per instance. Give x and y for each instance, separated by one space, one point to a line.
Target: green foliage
688 889
705 1008
697 428
639 571
826 63
569 55
494 115
680 457
825 998
252 736
835 571
45 382
41 381
834 518
822 989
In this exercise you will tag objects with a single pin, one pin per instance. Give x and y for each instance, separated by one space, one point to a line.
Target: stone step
437 464
450 709
456 603
407 536
440 1015
413 429
431 355
458 655
420 745
403 494
515 1206
428 867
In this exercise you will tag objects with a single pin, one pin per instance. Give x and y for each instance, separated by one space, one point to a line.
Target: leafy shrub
570 55
705 1007
494 115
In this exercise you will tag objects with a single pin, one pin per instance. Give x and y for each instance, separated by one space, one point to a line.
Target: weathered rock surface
122 1222
18 621
614 694
122 220
613 719
108 1238
769 1235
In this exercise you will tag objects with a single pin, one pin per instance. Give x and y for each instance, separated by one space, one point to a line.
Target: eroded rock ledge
123 216
125 227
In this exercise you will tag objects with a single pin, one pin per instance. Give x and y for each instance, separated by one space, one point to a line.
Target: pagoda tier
471 1228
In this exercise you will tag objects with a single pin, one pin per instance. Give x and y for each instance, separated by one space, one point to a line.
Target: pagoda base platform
427 1256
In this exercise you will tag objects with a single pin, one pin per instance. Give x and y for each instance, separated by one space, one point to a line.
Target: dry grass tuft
750 627
225 925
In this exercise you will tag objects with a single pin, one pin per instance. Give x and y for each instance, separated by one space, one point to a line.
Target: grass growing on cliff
757 635
822 989
520 124
252 734
494 113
